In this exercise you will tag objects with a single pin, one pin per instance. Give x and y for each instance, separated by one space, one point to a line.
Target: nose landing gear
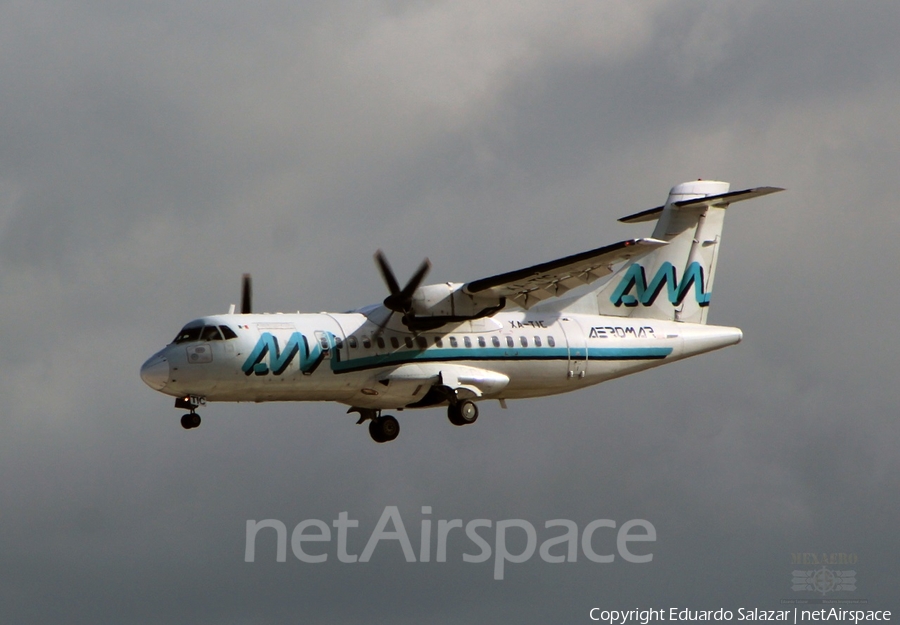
191 420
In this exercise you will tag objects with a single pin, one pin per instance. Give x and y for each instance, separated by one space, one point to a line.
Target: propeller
400 300
246 295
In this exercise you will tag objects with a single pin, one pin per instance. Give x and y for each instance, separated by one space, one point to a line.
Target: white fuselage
344 358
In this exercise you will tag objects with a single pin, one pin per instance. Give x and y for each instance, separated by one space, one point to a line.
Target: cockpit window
192 333
188 334
210 333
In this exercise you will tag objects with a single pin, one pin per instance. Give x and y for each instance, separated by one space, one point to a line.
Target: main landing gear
463 412
382 428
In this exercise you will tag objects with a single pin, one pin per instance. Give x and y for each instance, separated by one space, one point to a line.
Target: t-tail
675 281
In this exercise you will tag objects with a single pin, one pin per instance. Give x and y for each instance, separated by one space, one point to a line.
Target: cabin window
524 341
495 340
338 343
453 342
380 342
537 341
467 341
227 332
551 341
422 342
351 341
438 341
395 342
366 342
510 342
408 341
481 342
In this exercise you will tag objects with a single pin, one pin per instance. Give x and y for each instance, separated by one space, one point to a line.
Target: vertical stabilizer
675 281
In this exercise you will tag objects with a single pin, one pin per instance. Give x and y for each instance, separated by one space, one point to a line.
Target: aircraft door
333 341
576 342
326 342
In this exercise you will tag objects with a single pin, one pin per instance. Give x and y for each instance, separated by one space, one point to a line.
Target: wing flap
526 287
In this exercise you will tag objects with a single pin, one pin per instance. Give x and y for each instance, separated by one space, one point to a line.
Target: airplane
532 332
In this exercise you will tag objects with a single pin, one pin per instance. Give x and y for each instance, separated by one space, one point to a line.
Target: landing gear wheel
453 415
462 413
390 428
468 412
190 421
384 429
375 431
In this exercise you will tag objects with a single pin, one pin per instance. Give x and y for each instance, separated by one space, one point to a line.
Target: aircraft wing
526 287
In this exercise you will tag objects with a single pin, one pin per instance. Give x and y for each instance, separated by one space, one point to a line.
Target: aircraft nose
155 372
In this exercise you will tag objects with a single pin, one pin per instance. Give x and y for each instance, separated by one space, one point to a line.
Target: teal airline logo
268 357
646 294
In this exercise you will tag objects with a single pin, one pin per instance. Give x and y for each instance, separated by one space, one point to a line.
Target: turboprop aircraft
510 336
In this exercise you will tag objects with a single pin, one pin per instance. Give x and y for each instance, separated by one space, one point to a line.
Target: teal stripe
496 353
628 353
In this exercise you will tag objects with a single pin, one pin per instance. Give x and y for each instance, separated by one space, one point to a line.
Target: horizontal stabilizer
526 287
718 201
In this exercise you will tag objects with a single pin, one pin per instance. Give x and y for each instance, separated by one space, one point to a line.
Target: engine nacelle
449 301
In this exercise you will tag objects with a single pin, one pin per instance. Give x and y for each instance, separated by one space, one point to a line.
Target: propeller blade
246 295
387 273
400 300
416 280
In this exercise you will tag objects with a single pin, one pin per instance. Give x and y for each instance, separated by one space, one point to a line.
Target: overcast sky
150 153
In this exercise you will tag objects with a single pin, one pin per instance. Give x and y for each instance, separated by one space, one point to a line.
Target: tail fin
675 281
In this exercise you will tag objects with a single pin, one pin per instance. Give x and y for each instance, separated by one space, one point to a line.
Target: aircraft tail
675 281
